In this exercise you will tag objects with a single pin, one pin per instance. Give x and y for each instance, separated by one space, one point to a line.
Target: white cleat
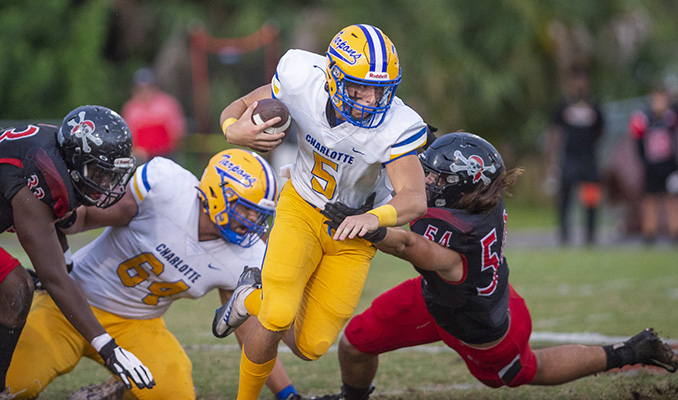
234 313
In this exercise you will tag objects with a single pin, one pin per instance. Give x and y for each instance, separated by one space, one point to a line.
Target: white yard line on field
590 338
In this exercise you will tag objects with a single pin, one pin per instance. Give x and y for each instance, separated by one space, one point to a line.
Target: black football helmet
96 145
461 162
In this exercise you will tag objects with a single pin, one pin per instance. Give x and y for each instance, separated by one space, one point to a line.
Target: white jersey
136 271
342 163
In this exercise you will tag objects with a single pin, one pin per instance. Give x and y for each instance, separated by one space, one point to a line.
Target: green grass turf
614 291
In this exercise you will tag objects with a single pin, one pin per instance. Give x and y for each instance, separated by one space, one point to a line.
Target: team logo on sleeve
474 166
83 130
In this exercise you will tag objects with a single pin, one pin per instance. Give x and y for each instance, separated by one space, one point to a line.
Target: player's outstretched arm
119 214
238 128
409 202
407 176
402 243
423 253
35 229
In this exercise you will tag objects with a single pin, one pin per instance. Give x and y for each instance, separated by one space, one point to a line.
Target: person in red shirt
155 118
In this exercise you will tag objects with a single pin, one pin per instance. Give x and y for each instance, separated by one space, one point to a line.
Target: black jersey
474 310
29 156
582 123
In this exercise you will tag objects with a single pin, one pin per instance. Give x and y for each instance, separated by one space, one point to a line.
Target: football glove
336 213
126 366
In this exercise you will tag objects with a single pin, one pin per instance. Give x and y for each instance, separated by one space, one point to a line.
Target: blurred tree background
492 67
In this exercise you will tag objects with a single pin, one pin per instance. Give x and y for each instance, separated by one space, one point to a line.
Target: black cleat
343 396
649 349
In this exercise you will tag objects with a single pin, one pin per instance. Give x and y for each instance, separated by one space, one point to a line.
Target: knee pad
314 347
278 316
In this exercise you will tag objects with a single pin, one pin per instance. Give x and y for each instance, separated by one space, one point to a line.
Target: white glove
126 365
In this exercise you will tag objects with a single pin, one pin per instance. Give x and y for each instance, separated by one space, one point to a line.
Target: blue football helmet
239 188
362 55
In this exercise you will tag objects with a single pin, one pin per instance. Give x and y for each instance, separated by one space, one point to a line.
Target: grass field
615 291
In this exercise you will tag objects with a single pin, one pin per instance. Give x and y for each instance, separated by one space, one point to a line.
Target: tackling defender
45 173
355 138
171 237
463 297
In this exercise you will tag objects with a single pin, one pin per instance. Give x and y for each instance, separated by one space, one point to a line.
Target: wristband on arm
228 122
99 341
387 215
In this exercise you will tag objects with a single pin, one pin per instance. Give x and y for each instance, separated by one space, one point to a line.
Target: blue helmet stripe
377 45
271 183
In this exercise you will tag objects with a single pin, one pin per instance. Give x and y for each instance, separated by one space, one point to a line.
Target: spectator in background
155 118
654 131
577 125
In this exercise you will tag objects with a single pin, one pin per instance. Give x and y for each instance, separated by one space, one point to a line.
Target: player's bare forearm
410 203
396 242
237 125
120 214
33 222
407 177
423 253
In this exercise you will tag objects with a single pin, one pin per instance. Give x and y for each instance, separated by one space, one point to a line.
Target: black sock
8 340
618 355
353 393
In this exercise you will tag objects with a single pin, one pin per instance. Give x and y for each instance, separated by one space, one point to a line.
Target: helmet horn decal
84 130
474 166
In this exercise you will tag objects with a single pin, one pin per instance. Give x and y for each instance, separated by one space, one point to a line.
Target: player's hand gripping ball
271 108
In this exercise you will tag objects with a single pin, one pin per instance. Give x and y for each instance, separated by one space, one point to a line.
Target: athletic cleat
343 396
328 397
649 349
234 313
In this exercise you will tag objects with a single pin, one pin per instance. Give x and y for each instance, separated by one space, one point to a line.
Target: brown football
271 108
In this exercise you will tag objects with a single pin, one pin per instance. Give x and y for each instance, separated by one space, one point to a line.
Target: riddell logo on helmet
377 75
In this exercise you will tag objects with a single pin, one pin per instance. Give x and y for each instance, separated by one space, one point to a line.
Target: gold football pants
49 346
309 278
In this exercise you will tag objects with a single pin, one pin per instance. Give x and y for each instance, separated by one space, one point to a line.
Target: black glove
336 213
126 365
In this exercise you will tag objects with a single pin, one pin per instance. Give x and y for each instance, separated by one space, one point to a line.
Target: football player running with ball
463 297
355 138
170 237
45 173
